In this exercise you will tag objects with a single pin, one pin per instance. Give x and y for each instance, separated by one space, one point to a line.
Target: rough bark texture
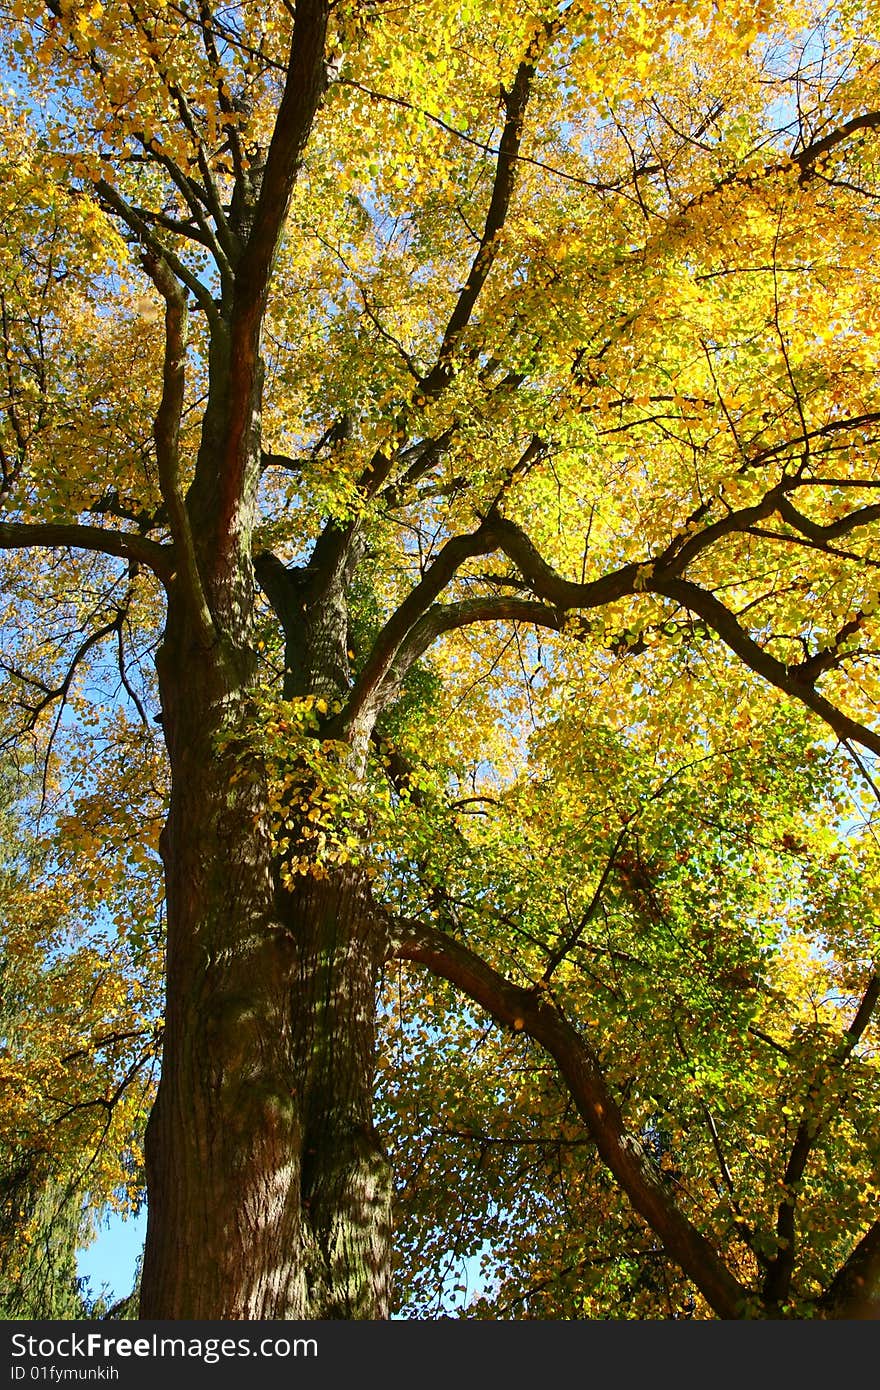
269 1194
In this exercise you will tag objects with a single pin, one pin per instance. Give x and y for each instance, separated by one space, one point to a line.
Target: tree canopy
439 454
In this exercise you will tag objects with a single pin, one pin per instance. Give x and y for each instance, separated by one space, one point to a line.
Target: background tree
77 1052
408 380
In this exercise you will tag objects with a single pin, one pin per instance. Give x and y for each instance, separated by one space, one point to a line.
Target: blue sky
111 1258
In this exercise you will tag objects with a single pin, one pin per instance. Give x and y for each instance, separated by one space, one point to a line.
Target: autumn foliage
439 453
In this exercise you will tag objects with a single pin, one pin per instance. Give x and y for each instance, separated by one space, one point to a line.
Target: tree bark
269 1196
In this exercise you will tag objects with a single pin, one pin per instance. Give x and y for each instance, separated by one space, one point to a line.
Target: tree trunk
269 1196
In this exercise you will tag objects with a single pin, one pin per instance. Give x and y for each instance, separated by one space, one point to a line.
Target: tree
76 1057
408 379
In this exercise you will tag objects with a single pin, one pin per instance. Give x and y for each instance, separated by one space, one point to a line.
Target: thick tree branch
759 660
805 158
446 617
854 1292
188 230
527 1011
506 167
419 458
548 584
804 161
16 535
365 695
490 608
662 576
850 521
166 432
418 620
303 89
